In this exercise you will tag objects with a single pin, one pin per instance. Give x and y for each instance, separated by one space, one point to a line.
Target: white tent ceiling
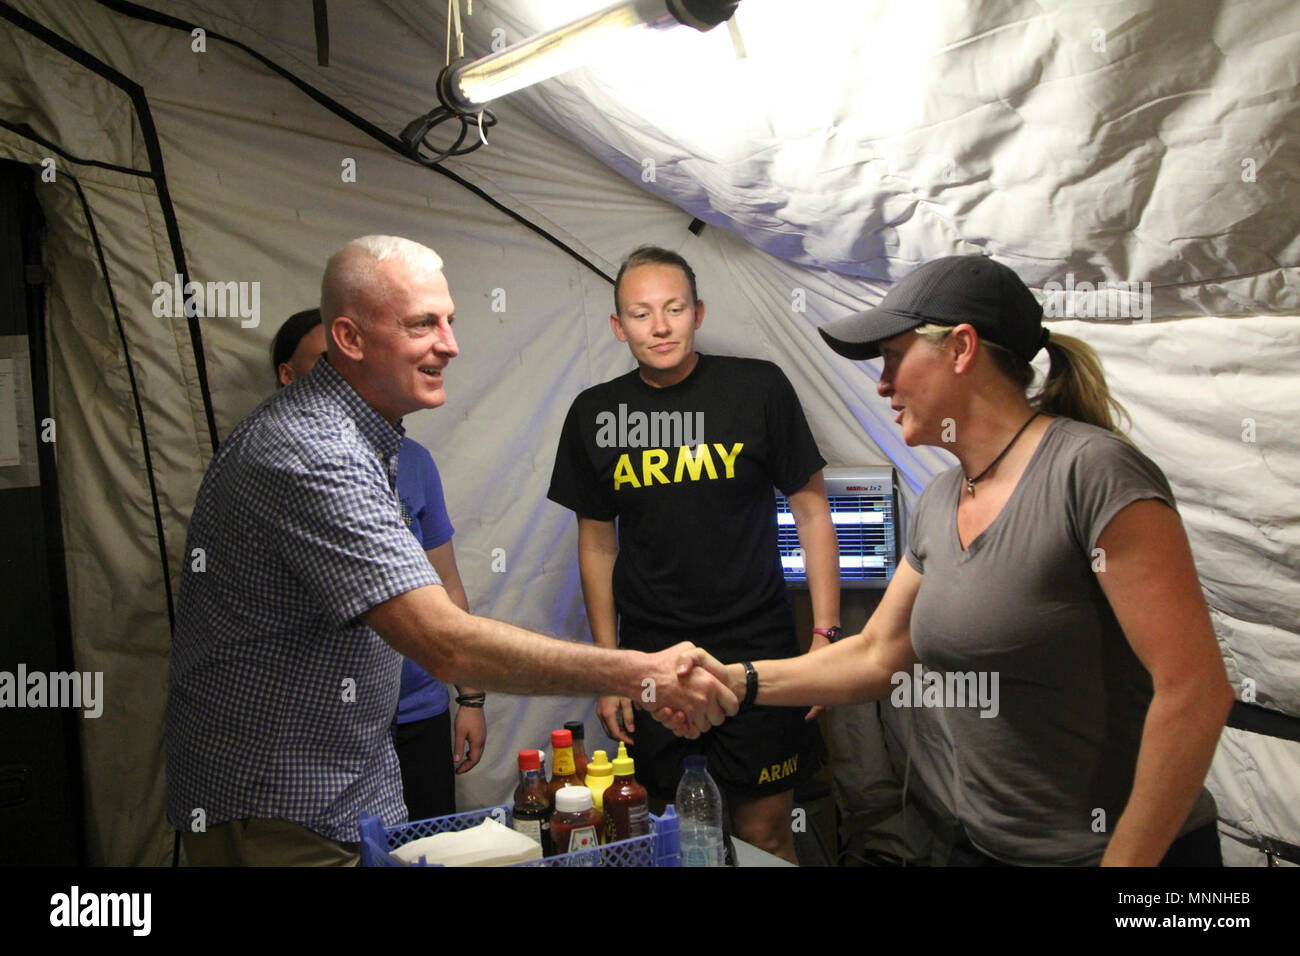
1140 142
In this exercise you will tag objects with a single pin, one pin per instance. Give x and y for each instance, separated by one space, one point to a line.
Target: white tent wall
1118 140
254 171
1254 785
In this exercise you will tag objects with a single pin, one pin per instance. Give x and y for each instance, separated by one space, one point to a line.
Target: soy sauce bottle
533 806
579 732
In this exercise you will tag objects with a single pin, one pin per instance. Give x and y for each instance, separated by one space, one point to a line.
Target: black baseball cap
947 291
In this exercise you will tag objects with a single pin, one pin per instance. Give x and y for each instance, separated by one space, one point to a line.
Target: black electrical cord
416 134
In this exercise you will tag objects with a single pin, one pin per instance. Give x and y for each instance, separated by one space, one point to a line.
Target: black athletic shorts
757 753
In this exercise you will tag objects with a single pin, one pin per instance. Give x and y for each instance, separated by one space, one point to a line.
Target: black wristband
471 700
751 685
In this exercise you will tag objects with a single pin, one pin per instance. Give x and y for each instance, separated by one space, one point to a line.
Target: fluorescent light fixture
466 87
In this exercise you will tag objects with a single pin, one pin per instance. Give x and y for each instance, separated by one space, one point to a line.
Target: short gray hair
352 284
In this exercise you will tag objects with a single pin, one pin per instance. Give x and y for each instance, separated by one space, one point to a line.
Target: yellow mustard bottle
600 774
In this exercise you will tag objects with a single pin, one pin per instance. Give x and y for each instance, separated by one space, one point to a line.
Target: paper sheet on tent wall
9 452
18 464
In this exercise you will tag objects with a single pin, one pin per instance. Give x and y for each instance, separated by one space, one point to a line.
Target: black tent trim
138 12
25 131
1261 720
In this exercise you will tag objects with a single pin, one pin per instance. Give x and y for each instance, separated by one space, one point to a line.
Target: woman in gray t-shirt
1048 604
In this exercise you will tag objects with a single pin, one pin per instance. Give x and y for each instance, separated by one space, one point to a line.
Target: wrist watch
831 634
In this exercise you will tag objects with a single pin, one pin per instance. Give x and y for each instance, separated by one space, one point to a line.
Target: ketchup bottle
625 802
533 806
565 774
576 826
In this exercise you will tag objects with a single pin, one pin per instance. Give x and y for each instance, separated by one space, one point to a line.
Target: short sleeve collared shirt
280 700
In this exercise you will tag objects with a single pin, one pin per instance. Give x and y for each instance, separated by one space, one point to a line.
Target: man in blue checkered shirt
303 589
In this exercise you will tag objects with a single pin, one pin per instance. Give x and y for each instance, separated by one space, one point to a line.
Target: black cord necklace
970 482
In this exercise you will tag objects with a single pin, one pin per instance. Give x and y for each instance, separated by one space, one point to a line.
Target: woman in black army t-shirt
684 451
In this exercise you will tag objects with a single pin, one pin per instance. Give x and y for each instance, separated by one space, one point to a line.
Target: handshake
685 688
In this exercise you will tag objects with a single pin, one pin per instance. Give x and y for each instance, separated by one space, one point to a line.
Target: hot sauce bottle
565 774
579 732
533 806
625 802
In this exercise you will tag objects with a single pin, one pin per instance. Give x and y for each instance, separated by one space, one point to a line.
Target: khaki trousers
264 842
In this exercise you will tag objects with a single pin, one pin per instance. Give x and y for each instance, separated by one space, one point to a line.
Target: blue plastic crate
662 847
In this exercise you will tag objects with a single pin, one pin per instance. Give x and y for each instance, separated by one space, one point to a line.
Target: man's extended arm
427 627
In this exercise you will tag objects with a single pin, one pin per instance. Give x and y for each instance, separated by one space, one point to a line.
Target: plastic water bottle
699 810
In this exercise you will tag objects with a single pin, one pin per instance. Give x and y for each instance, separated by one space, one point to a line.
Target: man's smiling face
409 342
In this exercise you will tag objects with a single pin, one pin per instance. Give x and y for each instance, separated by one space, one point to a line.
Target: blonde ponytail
1075 386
